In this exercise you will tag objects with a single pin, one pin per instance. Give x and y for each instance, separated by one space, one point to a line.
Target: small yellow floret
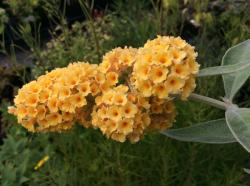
54 119
67 116
115 113
142 71
175 84
119 137
129 110
84 88
112 78
44 95
120 99
78 100
32 100
64 92
162 90
125 126
158 74
34 87
53 104
145 87
41 112
164 59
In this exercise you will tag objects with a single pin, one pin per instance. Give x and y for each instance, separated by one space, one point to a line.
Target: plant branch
87 11
209 101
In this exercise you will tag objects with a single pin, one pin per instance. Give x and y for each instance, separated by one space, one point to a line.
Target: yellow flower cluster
57 99
118 60
127 95
120 114
164 67
162 114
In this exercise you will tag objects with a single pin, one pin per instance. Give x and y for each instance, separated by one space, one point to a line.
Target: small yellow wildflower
41 162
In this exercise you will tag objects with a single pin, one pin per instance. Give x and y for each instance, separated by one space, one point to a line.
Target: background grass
84 156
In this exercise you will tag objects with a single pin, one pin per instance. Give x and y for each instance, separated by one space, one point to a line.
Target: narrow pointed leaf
238 120
238 54
219 70
216 132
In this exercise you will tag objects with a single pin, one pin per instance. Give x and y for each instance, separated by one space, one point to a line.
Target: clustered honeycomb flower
162 114
164 67
127 95
118 60
120 114
56 100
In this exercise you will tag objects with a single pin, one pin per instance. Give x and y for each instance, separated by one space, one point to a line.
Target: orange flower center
159 73
119 100
162 59
146 85
33 100
78 99
73 82
124 124
115 113
113 78
176 55
172 82
178 70
83 89
53 104
127 111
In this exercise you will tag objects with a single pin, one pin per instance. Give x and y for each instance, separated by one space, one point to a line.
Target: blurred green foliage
84 156
3 19
22 8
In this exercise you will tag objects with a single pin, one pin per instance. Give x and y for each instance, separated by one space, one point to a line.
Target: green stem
209 101
96 41
87 12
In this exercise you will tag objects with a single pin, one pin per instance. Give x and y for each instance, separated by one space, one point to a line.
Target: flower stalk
209 101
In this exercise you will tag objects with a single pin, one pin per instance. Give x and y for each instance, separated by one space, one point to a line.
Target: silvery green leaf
247 170
219 70
215 132
238 121
239 54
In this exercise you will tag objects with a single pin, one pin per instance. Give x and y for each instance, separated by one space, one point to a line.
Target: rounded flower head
163 68
53 101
